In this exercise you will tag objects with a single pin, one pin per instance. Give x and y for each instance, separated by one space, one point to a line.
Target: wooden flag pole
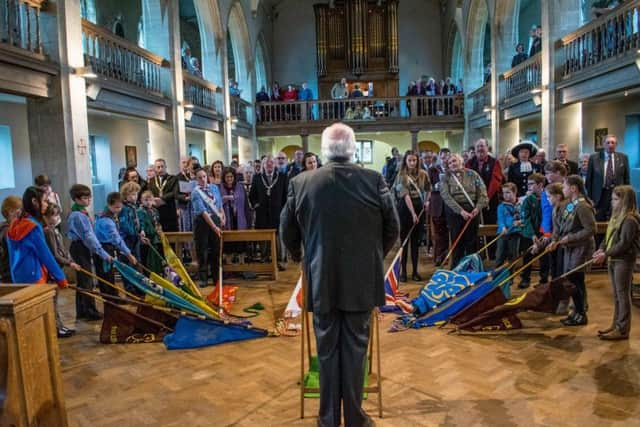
111 285
453 247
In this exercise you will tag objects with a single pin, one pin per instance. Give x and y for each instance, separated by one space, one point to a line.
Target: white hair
338 142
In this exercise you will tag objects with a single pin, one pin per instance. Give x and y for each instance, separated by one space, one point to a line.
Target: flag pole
404 243
518 271
111 285
485 247
466 225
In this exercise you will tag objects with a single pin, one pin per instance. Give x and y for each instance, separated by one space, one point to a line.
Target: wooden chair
375 378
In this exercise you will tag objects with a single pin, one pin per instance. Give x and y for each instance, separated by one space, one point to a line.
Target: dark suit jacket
596 173
167 212
268 208
345 218
520 179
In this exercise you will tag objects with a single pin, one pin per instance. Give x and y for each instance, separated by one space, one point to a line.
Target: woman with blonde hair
621 245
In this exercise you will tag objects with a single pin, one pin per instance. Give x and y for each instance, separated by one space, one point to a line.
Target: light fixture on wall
536 91
638 62
188 105
93 90
537 100
487 112
188 114
86 72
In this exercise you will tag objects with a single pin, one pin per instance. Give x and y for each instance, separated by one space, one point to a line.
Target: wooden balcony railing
480 98
391 108
240 109
116 58
202 93
523 77
601 39
20 24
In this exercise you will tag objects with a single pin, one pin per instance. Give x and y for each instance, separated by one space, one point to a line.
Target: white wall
293 57
114 132
13 114
214 143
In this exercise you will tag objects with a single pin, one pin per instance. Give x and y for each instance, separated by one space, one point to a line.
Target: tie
609 176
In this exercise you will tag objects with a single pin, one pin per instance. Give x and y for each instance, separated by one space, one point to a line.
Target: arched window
261 68
457 60
239 52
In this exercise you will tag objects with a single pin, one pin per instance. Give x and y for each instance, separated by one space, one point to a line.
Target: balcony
605 46
204 100
516 85
363 114
131 80
479 100
24 68
242 116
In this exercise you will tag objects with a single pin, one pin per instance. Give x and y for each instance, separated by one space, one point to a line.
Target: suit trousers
621 275
81 255
342 339
207 249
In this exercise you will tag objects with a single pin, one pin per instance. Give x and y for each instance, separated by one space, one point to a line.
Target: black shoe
416 277
402 277
524 284
65 332
575 320
93 315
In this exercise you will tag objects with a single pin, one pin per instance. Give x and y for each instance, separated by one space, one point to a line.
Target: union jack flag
391 293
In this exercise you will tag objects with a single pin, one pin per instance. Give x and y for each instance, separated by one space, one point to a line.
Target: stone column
177 91
304 138
414 139
547 109
228 139
58 128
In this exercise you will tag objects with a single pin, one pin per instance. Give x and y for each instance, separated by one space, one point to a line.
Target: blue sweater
506 216
29 253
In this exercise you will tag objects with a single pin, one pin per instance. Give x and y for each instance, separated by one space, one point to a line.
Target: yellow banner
175 263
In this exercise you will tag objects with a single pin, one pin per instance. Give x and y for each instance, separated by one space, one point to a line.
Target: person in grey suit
603 175
343 219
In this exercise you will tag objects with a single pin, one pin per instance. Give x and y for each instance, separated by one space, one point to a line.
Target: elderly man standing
164 188
281 162
345 276
562 155
606 169
490 170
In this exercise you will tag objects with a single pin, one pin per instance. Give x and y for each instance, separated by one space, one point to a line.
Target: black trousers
207 249
525 243
105 271
468 243
82 256
342 339
406 222
580 293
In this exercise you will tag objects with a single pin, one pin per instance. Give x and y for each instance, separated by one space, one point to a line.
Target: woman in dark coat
519 172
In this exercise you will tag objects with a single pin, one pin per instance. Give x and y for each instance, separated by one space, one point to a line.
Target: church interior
90 89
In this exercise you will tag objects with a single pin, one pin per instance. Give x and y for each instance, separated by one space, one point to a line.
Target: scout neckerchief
79 208
208 199
161 187
273 183
133 209
453 174
569 212
413 183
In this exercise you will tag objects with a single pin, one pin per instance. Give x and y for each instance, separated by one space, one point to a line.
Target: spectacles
280 158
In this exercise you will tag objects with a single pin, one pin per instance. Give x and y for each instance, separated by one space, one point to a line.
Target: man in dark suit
562 155
606 169
165 187
345 218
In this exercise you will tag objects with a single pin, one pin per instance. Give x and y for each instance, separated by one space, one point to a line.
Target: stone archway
211 39
261 64
478 17
455 57
242 52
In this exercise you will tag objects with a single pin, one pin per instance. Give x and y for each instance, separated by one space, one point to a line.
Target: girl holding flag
412 188
208 221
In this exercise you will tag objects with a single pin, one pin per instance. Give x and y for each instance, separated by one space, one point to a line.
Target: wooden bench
179 238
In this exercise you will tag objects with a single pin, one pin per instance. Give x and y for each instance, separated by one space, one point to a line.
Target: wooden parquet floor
543 375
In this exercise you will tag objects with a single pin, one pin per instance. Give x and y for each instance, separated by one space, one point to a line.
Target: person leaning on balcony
290 95
536 45
305 94
262 96
520 55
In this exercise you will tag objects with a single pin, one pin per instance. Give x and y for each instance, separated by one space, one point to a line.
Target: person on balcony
520 55
356 92
234 89
290 95
195 67
536 45
276 96
340 90
305 94
262 96
412 90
